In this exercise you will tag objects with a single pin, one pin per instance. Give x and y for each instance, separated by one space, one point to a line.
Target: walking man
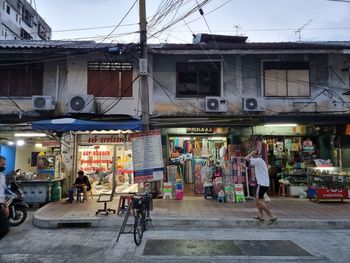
4 210
263 183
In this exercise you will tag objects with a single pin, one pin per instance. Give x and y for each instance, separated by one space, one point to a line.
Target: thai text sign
147 156
101 139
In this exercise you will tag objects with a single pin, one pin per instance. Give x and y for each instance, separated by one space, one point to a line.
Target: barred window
110 79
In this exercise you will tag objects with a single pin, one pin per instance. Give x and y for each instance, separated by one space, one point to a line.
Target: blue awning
70 124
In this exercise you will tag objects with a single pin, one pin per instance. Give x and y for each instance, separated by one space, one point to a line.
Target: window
110 79
286 79
27 17
8 9
21 80
198 79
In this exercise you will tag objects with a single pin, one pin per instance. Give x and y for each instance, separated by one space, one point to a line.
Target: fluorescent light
30 135
20 143
38 145
281 125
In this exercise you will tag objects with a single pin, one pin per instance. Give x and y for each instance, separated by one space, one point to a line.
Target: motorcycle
15 203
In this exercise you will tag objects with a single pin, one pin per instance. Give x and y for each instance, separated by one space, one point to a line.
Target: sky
260 20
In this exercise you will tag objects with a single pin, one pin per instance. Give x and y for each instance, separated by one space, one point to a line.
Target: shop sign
332 193
51 143
102 139
147 156
200 130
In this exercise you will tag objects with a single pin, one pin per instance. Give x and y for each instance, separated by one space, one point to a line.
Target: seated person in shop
83 183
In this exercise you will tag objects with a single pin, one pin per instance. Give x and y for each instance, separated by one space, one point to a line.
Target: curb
167 223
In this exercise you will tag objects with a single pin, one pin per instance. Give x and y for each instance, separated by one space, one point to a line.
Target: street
27 243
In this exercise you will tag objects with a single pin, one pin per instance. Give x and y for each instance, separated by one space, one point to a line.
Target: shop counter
37 191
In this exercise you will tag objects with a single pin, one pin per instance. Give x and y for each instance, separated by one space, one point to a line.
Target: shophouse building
221 94
67 106
210 99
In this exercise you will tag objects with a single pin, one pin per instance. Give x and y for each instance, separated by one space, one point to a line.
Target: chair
106 198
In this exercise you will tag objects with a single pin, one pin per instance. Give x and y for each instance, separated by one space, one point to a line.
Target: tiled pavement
194 211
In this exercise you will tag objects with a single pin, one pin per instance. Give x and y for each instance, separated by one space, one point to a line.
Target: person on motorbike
4 210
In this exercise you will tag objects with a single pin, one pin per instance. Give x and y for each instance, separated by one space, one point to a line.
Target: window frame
286 69
197 70
104 69
27 79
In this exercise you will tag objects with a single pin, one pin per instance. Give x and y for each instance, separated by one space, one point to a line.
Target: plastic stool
122 200
282 190
221 199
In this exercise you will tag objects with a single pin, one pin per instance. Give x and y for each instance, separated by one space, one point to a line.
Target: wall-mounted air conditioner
253 104
81 103
215 104
40 102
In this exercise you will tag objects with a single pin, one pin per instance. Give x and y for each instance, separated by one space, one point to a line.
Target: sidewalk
196 212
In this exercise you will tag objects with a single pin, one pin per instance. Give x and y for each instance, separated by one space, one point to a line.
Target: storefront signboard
87 139
51 143
332 193
147 156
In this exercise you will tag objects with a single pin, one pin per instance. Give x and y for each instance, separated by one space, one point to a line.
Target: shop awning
70 124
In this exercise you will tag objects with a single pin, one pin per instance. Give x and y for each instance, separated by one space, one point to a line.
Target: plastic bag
267 198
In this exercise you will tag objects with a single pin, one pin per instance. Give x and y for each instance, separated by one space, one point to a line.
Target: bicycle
141 205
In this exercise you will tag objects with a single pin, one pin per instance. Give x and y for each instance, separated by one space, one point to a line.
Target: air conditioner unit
42 102
81 103
215 104
253 104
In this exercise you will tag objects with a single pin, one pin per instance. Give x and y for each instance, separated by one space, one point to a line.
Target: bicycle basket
137 203
146 201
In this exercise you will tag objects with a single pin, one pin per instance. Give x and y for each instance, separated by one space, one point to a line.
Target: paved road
27 243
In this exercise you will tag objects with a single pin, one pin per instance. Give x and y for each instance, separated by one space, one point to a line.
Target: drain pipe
57 88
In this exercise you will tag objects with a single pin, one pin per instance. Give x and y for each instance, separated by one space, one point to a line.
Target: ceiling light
281 125
10 143
20 143
30 135
38 145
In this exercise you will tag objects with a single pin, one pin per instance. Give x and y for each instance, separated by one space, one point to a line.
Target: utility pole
143 65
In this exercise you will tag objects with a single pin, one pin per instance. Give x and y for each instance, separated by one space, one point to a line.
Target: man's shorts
260 191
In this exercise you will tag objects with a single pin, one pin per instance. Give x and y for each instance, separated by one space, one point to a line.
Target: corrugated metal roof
328 45
29 44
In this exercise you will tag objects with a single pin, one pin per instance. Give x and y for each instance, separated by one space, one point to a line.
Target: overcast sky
260 20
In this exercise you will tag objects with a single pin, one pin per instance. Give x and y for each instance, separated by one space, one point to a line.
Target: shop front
209 161
34 162
105 157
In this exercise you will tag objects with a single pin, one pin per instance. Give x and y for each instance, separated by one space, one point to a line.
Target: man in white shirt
263 183
4 211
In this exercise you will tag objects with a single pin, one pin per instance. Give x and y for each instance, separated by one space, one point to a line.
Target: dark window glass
198 79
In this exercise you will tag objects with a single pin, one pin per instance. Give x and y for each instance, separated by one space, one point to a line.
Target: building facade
19 20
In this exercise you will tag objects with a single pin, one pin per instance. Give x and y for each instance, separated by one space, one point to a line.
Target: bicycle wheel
138 229
145 215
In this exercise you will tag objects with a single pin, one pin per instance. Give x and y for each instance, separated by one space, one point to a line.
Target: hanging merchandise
223 151
278 148
205 148
198 163
295 147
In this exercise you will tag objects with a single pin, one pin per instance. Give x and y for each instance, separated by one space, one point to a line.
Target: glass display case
328 183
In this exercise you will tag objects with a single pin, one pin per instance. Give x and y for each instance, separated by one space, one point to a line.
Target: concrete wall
63 78
243 78
77 84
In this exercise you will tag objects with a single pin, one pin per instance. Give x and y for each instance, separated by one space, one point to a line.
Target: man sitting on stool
82 183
